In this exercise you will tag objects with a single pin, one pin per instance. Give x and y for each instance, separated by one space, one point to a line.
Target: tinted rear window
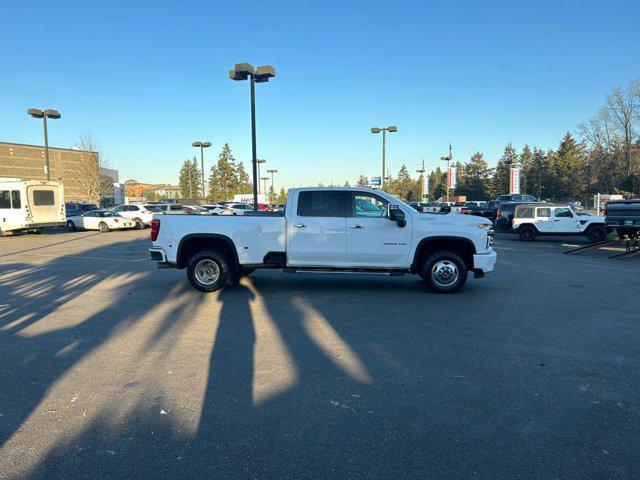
321 204
524 212
43 197
5 199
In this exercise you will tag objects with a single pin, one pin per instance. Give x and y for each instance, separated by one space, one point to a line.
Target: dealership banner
514 179
425 185
452 177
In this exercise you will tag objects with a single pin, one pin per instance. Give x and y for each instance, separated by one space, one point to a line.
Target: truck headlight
484 226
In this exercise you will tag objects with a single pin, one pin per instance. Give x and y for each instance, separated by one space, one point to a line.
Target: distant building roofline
50 148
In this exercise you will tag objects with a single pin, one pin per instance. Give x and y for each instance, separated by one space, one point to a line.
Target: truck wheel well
528 225
461 246
192 244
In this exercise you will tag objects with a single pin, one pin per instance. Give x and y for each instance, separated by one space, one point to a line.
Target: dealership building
74 168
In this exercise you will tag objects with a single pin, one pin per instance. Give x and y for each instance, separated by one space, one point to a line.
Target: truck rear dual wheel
444 272
208 271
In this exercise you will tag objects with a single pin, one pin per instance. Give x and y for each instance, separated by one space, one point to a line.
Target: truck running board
351 271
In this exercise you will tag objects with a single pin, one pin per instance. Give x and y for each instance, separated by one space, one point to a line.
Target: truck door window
43 197
370 206
5 200
563 213
321 204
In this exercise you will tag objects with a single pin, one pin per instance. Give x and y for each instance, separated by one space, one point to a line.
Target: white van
30 205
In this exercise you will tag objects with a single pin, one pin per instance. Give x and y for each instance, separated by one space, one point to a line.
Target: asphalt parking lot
113 368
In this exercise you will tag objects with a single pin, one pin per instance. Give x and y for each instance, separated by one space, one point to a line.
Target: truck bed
253 235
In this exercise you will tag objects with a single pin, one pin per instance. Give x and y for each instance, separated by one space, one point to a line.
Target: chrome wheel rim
444 273
207 271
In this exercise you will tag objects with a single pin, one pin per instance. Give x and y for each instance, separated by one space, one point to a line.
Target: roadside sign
514 179
452 177
425 185
374 182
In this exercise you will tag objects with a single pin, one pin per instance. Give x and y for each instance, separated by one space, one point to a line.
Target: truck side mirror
397 215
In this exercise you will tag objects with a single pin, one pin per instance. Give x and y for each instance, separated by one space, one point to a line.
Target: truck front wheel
445 272
208 271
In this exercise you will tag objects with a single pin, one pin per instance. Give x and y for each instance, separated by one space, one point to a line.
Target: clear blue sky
145 80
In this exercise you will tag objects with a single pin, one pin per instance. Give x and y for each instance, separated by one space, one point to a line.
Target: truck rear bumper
484 262
159 255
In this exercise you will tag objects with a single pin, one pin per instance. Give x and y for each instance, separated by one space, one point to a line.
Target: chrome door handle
300 225
556 220
356 226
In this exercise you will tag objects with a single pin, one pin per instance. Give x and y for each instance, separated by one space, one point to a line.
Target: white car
217 209
534 219
103 220
239 208
138 213
337 229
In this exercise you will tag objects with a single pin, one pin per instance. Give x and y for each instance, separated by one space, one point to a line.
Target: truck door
316 229
372 239
564 221
543 220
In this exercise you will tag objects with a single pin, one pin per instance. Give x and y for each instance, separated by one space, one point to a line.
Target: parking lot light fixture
244 71
44 114
384 130
202 146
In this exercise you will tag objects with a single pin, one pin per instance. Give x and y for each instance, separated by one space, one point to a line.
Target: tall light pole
202 146
264 179
259 161
448 160
421 172
242 71
272 171
44 114
384 131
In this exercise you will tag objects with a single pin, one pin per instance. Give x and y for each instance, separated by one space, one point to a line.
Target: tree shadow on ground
398 384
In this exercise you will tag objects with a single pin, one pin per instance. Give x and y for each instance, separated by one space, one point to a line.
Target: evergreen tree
569 166
271 197
362 182
538 173
437 184
189 179
282 197
244 182
475 178
526 157
403 186
223 180
501 172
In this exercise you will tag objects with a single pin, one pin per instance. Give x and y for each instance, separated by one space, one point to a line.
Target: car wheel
103 227
596 234
445 272
71 226
208 271
527 233
139 224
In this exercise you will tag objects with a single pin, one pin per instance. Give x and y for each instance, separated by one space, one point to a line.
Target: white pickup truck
344 230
